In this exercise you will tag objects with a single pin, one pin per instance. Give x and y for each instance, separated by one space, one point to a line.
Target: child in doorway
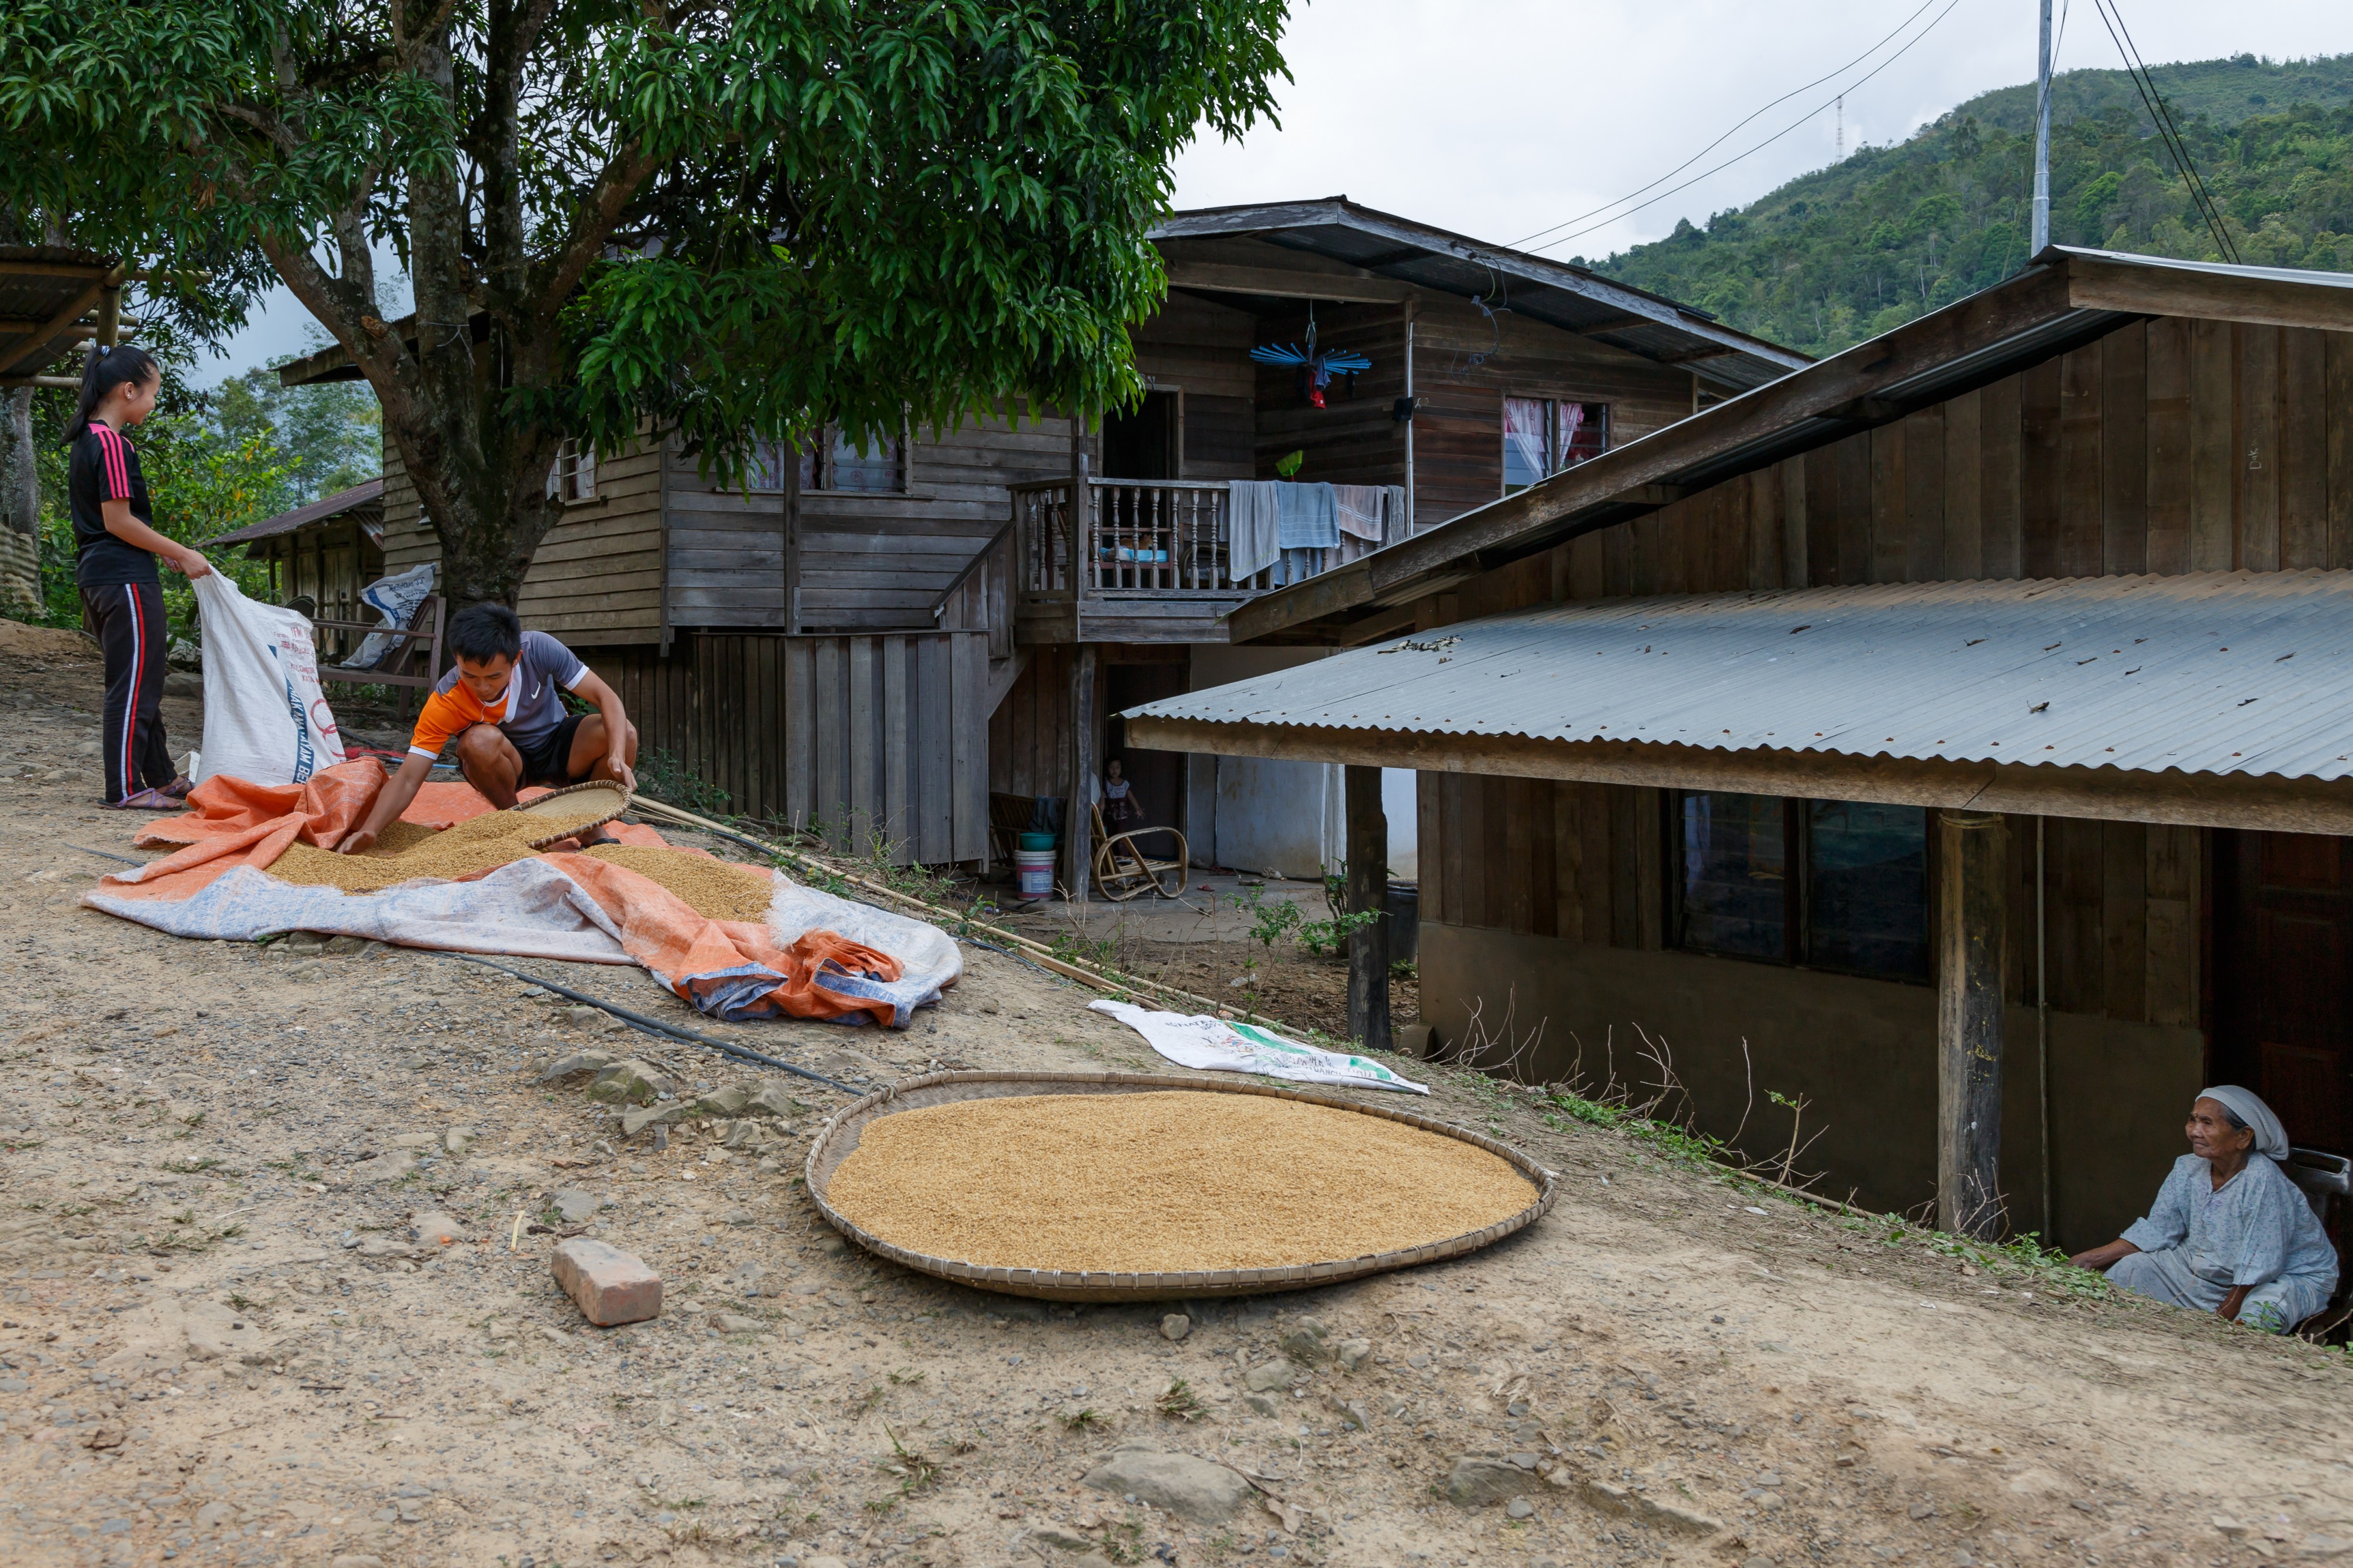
115 547
1120 810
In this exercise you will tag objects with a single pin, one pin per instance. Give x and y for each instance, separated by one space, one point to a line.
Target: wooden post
1369 888
1077 819
1973 871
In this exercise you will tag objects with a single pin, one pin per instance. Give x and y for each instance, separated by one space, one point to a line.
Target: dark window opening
1146 442
1828 884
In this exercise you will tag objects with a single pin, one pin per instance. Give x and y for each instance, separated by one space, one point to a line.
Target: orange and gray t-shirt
529 710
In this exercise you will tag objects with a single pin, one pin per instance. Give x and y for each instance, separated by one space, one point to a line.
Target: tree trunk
20 507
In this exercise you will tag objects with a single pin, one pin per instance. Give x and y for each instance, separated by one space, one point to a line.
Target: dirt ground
227 1335
1203 945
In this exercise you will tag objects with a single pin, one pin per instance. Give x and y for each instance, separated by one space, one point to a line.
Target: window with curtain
1829 884
765 468
834 462
1542 436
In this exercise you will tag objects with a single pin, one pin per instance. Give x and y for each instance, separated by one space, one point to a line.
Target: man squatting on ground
2229 1234
501 702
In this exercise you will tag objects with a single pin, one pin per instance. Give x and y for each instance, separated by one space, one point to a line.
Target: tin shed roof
2212 691
362 504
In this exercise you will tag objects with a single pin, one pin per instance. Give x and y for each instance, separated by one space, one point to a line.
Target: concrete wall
1862 1053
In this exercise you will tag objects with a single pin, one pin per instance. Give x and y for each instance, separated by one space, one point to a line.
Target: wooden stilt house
874 640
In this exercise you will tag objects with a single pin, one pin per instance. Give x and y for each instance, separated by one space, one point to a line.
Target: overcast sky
1500 119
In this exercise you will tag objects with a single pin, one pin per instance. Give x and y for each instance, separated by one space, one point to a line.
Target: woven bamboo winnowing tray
565 800
839 1136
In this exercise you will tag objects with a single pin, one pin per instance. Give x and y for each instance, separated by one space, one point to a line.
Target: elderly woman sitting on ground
2229 1233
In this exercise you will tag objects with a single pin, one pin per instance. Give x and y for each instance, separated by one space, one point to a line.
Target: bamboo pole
1028 948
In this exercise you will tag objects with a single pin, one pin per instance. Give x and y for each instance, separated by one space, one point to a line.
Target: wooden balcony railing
1168 538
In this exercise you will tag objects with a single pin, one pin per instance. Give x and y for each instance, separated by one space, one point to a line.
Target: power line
2168 130
1727 136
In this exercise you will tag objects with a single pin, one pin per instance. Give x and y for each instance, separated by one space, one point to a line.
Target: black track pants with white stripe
130 617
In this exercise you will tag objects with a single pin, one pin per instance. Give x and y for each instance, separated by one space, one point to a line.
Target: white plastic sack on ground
265 717
395 598
1197 1040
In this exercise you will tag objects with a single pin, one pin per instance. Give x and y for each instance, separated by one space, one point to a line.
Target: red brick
611 1287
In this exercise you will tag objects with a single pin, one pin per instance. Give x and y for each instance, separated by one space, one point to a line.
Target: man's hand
618 761
192 564
358 841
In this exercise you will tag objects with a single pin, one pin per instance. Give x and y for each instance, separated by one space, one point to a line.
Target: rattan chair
1123 870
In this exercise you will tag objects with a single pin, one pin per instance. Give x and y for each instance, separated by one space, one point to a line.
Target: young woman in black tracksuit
116 545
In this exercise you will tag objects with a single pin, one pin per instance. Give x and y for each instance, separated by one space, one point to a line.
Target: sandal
145 800
179 787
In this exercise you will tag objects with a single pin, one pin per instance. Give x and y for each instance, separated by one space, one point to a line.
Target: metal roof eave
2114 794
2205 699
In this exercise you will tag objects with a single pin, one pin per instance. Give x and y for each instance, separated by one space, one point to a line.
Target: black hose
106 855
656 1026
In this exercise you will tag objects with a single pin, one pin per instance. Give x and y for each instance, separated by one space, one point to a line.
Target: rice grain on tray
405 852
715 889
1162 1180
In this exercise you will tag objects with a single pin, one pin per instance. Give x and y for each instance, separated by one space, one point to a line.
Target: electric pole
2041 236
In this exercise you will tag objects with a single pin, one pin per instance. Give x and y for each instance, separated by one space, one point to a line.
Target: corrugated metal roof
2220 673
366 497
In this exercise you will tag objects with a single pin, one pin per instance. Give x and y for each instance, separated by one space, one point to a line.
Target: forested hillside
1849 251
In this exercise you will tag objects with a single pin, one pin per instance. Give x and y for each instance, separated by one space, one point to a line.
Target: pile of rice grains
713 889
404 852
1164 1181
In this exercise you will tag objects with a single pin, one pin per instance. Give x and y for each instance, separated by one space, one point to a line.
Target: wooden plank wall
726 551
330 563
851 737
2167 446
1355 439
1465 362
1201 348
1030 733
597 578
1584 862
876 563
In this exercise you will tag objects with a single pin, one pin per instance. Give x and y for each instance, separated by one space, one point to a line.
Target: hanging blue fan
1320 366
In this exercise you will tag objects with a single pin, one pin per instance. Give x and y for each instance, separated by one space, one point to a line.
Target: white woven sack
266 719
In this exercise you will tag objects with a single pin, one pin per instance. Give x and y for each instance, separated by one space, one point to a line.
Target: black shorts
548 760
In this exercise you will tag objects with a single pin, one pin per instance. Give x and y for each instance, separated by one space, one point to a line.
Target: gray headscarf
2271 1138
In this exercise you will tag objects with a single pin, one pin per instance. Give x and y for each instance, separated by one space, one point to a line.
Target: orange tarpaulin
733 969
663 932
230 822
